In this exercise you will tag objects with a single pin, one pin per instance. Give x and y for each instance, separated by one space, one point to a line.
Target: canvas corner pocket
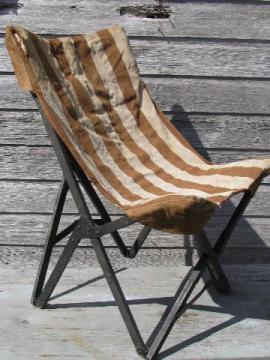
17 49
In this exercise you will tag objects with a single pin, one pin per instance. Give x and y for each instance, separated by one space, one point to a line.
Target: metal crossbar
88 227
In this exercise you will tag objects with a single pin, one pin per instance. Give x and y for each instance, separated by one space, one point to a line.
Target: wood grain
29 256
30 230
202 131
196 57
189 19
189 95
39 163
82 320
210 95
39 197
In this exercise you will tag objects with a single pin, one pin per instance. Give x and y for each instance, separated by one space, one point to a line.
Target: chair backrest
90 89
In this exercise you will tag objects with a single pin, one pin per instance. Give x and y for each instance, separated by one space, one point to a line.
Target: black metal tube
50 240
61 264
227 232
119 296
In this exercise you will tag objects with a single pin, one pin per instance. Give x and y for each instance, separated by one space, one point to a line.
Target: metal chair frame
94 229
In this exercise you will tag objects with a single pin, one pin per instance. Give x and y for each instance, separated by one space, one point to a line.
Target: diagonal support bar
220 280
237 214
133 250
179 306
60 236
112 226
50 240
61 264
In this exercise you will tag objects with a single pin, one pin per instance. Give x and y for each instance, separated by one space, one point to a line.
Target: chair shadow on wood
242 304
222 304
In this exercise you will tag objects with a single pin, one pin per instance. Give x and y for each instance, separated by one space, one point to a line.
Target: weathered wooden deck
82 320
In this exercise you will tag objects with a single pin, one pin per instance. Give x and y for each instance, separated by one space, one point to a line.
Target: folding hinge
88 229
93 232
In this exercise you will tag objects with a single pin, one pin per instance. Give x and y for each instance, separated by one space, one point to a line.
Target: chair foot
38 304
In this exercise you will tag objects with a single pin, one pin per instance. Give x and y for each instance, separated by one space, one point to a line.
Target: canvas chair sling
109 135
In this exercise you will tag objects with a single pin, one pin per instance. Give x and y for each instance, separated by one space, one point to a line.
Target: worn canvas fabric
90 89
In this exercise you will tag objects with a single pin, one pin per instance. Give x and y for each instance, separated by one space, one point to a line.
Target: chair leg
61 264
232 223
208 259
220 280
119 296
50 240
179 307
214 267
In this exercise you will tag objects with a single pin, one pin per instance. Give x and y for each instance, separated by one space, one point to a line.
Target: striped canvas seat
92 94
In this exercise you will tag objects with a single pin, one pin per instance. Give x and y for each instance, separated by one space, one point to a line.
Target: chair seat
189 213
92 94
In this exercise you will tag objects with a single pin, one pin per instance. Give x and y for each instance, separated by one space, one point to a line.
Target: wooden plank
209 95
251 232
39 197
189 95
202 58
215 20
191 57
29 256
11 96
5 60
29 163
207 131
30 230
212 131
22 128
39 163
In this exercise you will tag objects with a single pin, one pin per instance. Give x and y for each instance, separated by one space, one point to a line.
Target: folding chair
107 131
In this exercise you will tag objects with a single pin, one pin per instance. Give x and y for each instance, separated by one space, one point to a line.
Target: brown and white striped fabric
92 94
